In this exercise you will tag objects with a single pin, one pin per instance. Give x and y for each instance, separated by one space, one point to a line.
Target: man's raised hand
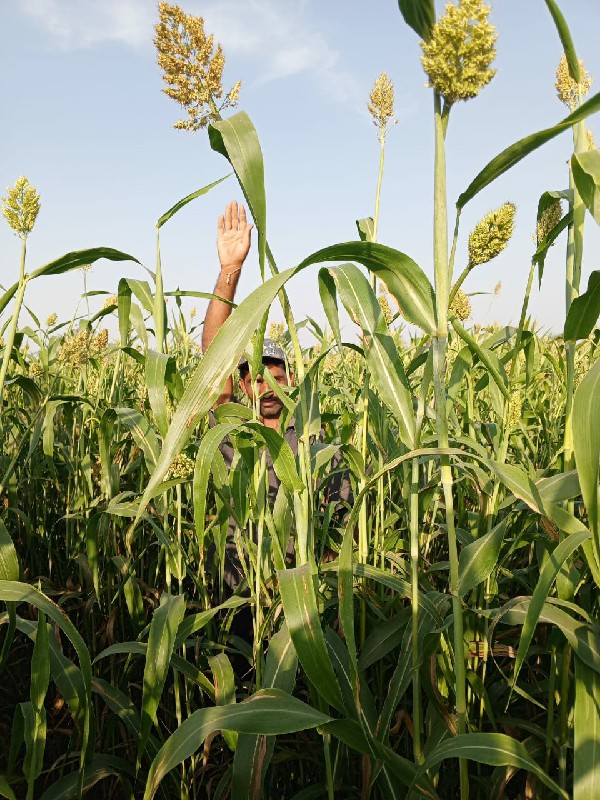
233 238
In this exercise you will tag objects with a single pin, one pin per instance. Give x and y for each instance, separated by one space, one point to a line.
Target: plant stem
439 342
10 337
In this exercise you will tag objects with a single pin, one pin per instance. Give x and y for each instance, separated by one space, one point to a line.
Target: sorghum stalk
159 300
12 328
439 343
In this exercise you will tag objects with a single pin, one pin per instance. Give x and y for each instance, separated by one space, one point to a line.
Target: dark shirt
338 490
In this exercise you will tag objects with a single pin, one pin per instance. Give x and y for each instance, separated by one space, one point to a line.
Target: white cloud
80 24
281 39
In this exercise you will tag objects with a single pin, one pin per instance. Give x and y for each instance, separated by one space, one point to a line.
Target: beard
270 407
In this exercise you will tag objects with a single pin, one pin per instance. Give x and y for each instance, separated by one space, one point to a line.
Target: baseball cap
270 350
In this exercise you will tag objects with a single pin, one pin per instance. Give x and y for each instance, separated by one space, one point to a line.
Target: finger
243 222
235 217
228 216
220 225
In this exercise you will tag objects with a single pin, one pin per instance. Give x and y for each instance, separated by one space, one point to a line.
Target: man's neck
270 422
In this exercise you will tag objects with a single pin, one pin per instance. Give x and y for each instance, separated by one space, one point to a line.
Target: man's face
270 405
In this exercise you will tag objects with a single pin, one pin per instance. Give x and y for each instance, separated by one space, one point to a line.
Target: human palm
233 236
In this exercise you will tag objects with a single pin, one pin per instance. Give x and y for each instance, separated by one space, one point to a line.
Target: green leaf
383 358
224 681
237 140
165 621
183 202
156 368
586 724
586 174
495 749
13 591
40 665
555 560
99 768
477 560
586 444
516 152
253 753
79 259
419 15
491 362
565 39
584 311
269 711
403 277
583 637
5 790
9 564
302 616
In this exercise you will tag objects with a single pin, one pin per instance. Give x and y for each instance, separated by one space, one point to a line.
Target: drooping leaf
161 639
586 174
419 15
79 259
516 152
565 39
495 749
584 311
269 711
477 560
237 140
300 607
381 352
586 444
556 559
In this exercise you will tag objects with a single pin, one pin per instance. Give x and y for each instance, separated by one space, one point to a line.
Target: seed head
193 313
192 69
548 220
491 235
35 369
21 207
568 90
100 341
381 106
384 304
276 332
51 320
591 142
75 349
461 48
461 305
515 407
110 301
181 467
497 288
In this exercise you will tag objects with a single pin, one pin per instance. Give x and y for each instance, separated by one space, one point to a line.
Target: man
233 244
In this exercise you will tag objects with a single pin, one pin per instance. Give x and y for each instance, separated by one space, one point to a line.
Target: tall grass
447 617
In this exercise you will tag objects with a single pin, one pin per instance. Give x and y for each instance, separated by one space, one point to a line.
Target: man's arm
233 244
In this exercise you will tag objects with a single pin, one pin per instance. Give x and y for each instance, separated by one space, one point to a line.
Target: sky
84 118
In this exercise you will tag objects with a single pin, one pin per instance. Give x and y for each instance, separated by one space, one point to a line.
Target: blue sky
85 120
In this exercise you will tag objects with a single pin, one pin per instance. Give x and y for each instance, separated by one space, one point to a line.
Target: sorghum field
439 637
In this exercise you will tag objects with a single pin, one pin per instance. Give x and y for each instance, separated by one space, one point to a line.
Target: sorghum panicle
458 55
381 105
192 71
21 207
568 90
491 235
549 219
461 305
